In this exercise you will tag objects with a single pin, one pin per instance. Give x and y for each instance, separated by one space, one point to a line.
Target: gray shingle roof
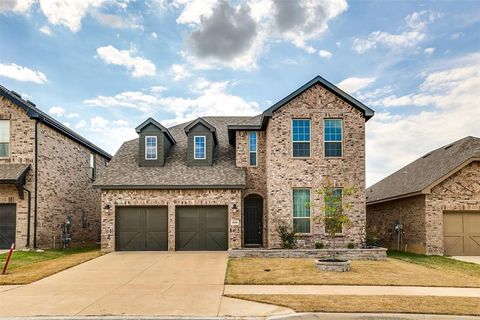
425 171
123 171
12 172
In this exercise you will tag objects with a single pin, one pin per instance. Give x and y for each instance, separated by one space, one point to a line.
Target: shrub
319 245
287 235
351 245
372 240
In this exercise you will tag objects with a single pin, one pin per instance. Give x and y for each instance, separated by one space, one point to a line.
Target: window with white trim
199 148
150 148
4 138
333 137
91 166
253 148
301 210
301 138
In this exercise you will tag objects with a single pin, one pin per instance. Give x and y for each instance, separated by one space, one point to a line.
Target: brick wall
170 198
410 212
459 192
22 150
283 172
66 189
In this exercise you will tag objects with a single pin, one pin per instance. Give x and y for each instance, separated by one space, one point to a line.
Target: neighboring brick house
436 200
219 183
43 161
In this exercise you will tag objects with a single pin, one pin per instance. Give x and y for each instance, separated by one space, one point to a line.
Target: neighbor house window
301 210
4 138
333 137
199 151
151 148
253 148
91 166
301 137
332 199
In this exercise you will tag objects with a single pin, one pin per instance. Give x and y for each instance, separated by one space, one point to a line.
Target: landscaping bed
29 266
383 304
398 270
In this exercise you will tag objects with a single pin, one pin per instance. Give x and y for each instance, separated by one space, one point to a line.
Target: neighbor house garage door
7 225
141 229
461 232
201 228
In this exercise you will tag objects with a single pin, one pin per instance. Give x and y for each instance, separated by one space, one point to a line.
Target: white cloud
194 10
81 124
67 124
68 13
325 54
73 115
56 111
414 32
354 84
46 30
16 6
16 72
138 66
451 95
112 133
154 35
179 72
429 51
290 61
158 89
117 22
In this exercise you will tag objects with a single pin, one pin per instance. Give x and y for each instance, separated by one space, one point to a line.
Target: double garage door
196 228
461 233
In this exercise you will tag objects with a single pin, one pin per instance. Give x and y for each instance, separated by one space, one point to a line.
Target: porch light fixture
106 207
234 207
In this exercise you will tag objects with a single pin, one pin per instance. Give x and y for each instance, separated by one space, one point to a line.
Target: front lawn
398 270
27 267
383 304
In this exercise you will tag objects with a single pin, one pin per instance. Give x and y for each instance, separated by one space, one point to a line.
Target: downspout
36 188
29 213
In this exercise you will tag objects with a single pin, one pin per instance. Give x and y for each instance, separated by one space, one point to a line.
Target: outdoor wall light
234 207
106 207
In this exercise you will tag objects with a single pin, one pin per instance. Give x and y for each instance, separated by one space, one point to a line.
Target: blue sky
101 66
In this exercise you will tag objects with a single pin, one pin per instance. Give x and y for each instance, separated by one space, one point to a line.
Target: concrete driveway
135 283
471 259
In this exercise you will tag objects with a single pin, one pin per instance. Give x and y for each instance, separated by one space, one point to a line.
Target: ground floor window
301 210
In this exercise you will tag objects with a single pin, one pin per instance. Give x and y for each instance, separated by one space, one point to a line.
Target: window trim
309 142
9 139
156 148
341 234
310 210
204 146
341 141
256 149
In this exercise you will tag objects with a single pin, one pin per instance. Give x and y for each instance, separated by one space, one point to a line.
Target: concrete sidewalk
352 290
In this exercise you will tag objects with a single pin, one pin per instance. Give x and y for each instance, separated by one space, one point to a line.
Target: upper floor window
91 166
4 138
253 148
301 137
151 148
199 151
333 200
333 137
301 210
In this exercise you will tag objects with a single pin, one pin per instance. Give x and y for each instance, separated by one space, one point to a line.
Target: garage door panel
141 229
461 233
216 241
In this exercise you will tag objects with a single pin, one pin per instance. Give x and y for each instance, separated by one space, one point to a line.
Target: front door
7 225
252 220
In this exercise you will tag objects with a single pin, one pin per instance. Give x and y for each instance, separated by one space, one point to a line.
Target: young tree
334 208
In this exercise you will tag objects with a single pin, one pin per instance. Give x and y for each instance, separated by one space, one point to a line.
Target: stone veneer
422 216
171 199
353 254
284 173
63 186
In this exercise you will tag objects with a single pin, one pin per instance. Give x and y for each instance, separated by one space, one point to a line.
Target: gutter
167 187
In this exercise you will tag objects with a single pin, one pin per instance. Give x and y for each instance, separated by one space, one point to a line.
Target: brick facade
63 183
422 216
171 199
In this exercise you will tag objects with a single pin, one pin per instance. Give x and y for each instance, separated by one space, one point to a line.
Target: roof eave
407 195
169 187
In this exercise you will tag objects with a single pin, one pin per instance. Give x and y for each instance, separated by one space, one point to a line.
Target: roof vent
426 155
448 147
16 94
30 102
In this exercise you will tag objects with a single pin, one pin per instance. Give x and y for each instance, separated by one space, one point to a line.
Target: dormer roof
205 123
151 121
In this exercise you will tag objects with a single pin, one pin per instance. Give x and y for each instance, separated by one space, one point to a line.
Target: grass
384 304
398 270
27 267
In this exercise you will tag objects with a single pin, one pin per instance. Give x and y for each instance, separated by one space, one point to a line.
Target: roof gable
153 122
203 122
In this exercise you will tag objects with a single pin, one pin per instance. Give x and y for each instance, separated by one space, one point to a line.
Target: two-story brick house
46 177
228 182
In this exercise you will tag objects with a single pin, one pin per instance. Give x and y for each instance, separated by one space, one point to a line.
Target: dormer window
200 148
150 148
